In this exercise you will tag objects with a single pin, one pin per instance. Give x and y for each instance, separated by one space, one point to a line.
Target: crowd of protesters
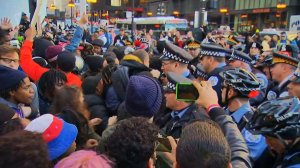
71 98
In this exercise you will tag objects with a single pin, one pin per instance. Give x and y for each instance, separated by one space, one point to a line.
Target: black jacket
97 109
175 125
240 157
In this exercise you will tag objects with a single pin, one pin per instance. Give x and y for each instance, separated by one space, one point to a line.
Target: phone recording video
186 92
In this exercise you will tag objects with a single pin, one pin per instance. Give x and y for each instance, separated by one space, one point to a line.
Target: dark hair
69 96
133 143
10 126
6 49
48 81
5 94
110 57
107 72
3 38
23 149
202 144
67 105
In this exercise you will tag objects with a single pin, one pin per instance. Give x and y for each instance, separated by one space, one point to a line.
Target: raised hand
5 24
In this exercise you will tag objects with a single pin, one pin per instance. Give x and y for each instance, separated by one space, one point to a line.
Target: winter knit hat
11 77
40 45
66 61
52 52
58 134
94 62
143 96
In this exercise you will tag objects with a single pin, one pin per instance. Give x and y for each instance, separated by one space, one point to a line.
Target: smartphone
186 92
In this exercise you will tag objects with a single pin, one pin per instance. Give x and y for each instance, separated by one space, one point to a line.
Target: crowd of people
71 98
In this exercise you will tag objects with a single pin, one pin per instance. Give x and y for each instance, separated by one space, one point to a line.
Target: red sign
266 10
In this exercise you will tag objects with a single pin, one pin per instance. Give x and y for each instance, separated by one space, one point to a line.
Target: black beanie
94 62
66 61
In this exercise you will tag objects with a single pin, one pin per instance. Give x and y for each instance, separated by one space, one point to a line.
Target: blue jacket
75 40
256 143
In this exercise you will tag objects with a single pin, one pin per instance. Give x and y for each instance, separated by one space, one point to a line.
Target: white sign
128 14
295 23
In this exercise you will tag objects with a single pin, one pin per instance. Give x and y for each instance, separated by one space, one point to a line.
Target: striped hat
58 134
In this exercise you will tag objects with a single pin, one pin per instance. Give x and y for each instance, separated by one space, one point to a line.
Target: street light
91 1
71 4
149 13
223 11
281 5
52 7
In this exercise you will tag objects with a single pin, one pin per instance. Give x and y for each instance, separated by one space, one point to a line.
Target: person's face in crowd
194 51
101 32
267 72
209 35
226 90
10 60
177 34
294 89
151 32
24 94
147 61
206 62
298 35
283 37
275 38
168 66
97 50
189 34
254 51
222 41
170 100
59 85
122 33
276 71
275 144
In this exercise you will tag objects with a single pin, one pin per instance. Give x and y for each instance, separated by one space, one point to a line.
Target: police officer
238 87
294 85
240 59
182 112
278 121
282 68
193 47
175 59
255 51
213 62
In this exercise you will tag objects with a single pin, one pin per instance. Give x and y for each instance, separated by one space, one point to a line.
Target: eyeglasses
8 60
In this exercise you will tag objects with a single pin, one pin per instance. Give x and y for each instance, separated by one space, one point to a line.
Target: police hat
256 45
212 50
173 52
193 44
173 79
296 76
241 56
281 58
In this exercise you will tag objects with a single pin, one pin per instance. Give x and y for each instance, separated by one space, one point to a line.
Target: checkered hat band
234 57
212 53
174 57
171 86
